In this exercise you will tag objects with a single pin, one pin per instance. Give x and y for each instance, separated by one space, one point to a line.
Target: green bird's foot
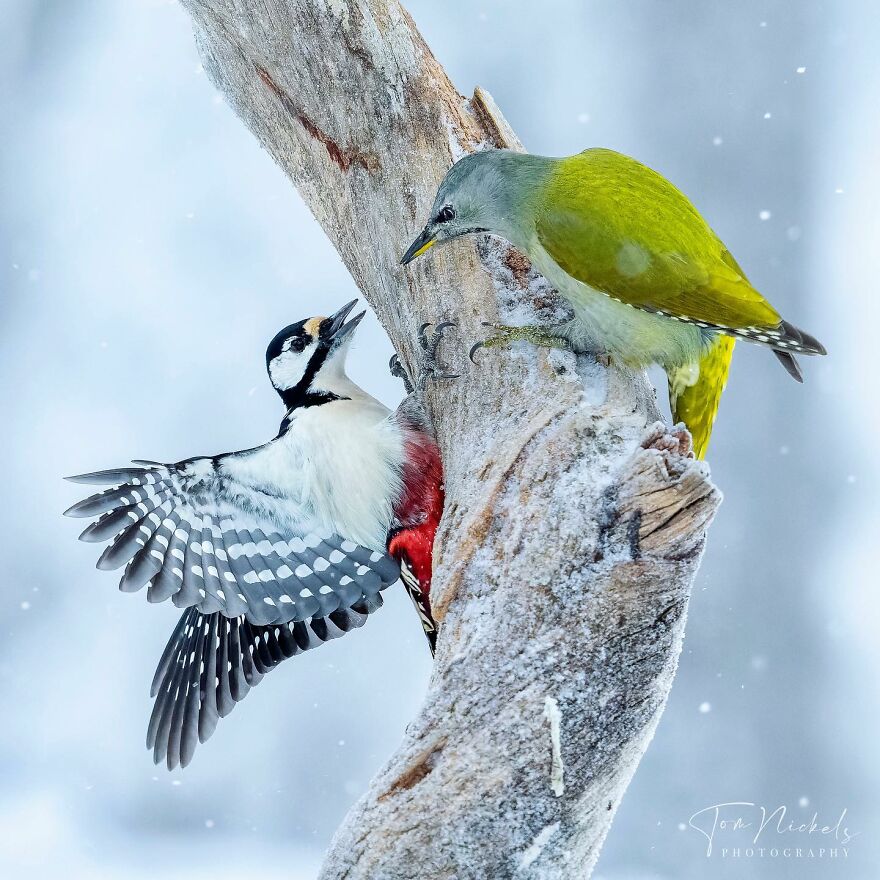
542 336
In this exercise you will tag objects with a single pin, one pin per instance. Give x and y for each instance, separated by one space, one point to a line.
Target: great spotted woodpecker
277 549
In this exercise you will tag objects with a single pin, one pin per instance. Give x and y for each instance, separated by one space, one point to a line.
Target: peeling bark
574 521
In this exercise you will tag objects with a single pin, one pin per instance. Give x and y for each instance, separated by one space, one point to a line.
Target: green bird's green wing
621 228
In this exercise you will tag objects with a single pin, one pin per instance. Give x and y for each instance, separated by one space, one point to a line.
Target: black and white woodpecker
280 548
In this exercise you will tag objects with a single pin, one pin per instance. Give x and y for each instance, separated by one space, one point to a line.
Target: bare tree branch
574 524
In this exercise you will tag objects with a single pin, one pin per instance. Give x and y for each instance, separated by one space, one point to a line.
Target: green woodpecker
648 279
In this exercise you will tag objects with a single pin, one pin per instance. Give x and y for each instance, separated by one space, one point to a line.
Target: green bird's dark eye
446 213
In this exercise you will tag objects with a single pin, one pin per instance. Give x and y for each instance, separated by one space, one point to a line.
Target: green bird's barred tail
695 391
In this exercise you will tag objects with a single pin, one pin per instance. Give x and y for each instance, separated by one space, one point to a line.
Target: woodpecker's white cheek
289 367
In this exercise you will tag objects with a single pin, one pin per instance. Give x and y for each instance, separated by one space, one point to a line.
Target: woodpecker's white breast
338 464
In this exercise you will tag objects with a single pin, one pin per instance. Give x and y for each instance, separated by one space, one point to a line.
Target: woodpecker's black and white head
306 360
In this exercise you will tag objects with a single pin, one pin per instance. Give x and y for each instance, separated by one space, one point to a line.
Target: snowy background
149 250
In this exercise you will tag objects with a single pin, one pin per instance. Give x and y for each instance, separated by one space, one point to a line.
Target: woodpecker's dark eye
298 344
446 213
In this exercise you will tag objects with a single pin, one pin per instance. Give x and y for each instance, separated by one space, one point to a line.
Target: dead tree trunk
574 524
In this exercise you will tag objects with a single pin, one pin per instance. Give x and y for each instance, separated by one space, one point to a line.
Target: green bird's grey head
480 193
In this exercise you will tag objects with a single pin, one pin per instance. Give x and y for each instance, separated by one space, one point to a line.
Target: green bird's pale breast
646 275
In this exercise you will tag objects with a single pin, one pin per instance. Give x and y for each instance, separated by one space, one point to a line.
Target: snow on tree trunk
574 520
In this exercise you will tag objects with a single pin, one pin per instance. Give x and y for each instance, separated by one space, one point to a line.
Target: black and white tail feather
423 609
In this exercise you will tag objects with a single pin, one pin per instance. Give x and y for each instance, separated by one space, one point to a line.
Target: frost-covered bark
574 524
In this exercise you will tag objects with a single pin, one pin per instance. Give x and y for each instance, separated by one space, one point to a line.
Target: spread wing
200 537
616 225
211 662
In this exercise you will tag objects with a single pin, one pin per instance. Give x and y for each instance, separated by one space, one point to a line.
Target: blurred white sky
150 249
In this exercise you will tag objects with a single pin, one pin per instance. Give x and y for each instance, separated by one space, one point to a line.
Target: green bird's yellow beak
423 243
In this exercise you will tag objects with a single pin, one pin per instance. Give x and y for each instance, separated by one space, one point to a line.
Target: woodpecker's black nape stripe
296 400
311 398
300 396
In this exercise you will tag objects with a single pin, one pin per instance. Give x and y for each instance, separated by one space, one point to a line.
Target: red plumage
417 514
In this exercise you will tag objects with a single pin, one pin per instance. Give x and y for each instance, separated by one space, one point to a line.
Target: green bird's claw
542 336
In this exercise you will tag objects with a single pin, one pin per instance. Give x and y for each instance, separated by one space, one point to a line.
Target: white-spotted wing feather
264 533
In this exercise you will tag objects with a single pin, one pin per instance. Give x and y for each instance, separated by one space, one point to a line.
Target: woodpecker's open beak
335 328
423 243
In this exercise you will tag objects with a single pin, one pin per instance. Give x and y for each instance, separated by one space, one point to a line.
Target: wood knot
420 767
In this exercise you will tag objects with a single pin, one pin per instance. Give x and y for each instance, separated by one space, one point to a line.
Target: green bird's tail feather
695 391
